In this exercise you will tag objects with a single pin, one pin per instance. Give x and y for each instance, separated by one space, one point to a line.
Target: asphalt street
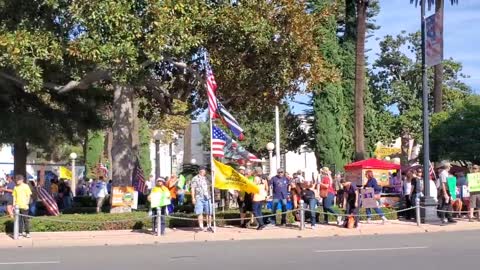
428 251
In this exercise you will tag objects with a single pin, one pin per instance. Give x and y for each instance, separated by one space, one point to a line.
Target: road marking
20 263
367 249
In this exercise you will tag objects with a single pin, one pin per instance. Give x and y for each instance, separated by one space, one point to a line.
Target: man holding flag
201 198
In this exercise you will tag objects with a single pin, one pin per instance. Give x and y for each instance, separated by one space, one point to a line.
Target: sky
461 35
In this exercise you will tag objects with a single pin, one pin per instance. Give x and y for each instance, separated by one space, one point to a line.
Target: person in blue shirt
372 183
279 185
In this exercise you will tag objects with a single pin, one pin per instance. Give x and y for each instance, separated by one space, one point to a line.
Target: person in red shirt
327 192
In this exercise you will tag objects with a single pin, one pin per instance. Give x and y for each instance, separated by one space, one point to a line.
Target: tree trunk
107 145
360 80
135 130
20 153
85 151
405 145
438 77
122 153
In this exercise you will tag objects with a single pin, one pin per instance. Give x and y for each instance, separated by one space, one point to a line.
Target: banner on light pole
434 40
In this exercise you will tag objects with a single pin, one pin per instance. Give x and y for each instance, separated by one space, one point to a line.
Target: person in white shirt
445 198
407 191
100 193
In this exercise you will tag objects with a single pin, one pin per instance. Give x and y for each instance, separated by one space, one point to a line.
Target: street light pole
73 157
277 137
428 203
157 159
270 147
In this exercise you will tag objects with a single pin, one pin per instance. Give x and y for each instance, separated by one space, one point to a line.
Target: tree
260 50
328 127
438 81
454 134
332 135
360 75
396 80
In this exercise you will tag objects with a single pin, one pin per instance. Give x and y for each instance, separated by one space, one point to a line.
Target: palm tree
360 79
438 69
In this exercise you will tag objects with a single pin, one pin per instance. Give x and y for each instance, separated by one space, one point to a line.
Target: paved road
429 251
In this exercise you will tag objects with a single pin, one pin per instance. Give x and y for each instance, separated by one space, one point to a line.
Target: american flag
211 89
48 201
138 179
229 121
253 158
219 139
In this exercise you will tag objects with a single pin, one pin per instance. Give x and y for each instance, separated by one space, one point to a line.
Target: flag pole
212 169
211 112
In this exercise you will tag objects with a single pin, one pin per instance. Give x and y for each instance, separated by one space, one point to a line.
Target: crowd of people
321 190
278 191
465 201
326 191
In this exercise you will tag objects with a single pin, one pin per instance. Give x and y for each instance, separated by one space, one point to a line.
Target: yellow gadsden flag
227 178
65 173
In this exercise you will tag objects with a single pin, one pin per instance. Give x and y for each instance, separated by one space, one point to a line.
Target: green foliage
144 147
454 134
95 148
333 102
329 127
396 83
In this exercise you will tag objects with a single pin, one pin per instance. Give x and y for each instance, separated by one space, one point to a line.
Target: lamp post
73 157
277 137
428 203
157 136
270 146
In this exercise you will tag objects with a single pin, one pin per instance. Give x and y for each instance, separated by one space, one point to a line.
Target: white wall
306 162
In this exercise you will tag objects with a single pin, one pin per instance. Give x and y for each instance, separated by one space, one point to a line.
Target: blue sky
461 34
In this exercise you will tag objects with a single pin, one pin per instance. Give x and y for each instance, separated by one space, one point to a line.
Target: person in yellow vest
258 200
21 200
159 200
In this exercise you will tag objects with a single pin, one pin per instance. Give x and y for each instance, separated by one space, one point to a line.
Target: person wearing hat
445 199
350 202
329 193
159 199
201 198
21 200
377 190
279 184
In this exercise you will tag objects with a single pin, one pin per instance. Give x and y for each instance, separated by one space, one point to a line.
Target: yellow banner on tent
65 173
227 178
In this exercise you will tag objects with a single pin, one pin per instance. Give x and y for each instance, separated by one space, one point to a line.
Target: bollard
159 222
16 223
302 215
417 210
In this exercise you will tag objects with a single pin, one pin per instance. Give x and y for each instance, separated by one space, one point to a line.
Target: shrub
139 220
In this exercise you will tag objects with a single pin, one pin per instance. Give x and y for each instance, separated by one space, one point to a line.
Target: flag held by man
138 178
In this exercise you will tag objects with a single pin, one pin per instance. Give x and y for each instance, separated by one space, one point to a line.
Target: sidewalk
119 238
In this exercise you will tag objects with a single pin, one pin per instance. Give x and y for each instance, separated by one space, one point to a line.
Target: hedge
137 220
